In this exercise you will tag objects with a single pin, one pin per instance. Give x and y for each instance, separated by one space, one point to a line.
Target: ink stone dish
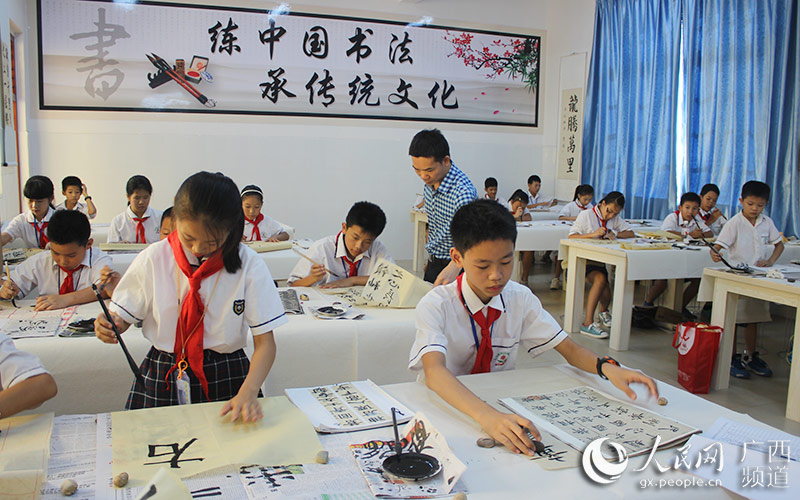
409 465
331 311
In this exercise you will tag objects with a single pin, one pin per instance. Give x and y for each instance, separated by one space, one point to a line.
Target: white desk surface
94 377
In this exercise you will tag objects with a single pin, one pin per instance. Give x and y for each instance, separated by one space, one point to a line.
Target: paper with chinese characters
580 415
193 438
347 407
165 485
390 285
24 322
418 436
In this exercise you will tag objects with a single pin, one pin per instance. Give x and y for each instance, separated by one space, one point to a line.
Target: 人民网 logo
598 468
238 307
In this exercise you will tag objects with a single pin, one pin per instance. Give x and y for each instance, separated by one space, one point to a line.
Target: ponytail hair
213 200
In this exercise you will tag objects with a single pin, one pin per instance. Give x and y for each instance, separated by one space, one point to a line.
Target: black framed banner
160 56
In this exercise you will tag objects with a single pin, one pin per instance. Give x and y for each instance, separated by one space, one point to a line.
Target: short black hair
166 214
429 143
709 187
38 187
71 180
519 195
69 226
534 178
690 197
583 190
490 182
757 189
213 200
253 190
615 198
368 216
479 221
138 182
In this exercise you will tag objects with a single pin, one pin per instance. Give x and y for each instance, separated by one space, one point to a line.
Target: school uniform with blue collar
445 323
41 271
33 232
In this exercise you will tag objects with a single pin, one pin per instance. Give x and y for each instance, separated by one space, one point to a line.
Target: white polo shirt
268 227
511 209
42 271
497 198
329 252
716 226
123 227
588 221
443 325
539 198
246 300
16 365
675 222
573 209
22 226
746 243
80 207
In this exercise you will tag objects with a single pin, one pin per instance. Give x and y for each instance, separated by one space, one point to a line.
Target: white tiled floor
651 351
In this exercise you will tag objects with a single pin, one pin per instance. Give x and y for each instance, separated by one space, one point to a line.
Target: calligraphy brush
745 269
164 66
8 277
131 362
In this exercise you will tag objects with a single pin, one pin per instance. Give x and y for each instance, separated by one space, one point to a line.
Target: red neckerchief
603 222
704 217
41 234
483 358
353 264
256 234
68 285
189 331
581 206
140 235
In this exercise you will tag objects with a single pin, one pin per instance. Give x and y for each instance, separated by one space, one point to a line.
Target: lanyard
344 262
202 317
602 221
472 321
39 232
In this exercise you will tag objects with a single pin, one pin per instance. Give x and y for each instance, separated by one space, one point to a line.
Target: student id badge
183 384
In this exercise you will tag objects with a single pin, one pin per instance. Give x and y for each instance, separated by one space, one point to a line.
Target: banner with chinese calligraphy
157 56
570 144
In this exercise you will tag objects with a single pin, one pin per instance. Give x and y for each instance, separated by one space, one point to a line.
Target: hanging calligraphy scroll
157 56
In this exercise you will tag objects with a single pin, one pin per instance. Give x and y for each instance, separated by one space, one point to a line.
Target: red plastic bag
697 345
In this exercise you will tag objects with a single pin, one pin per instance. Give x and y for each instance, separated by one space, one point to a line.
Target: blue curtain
631 102
743 101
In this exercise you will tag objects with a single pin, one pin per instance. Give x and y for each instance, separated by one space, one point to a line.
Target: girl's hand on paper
509 430
244 405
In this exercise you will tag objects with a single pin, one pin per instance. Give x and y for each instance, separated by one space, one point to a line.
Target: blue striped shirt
455 191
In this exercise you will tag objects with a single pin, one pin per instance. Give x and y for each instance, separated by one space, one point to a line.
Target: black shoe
756 365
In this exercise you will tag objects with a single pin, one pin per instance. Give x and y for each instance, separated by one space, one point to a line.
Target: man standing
446 190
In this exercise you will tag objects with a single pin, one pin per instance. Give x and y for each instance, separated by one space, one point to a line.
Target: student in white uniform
601 221
31 226
72 188
517 205
478 324
582 200
167 224
750 238
711 215
490 188
200 294
24 382
64 274
138 223
257 226
685 223
347 258
535 198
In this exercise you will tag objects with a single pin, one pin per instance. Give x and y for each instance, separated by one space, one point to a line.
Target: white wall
313 169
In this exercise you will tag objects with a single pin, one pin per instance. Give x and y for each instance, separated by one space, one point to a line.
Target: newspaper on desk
348 406
24 322
290 301
580 415
419 436
389 285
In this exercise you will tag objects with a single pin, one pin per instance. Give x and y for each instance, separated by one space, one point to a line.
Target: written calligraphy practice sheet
24 322
190 439
390 285
347 407
580 415
419 436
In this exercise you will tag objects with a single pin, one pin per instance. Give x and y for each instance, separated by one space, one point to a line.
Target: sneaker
756 365
555 284
605 319
738 370
594 331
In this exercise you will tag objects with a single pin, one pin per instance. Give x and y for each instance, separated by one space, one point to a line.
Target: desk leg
793 399
419 248
515 272
673 295
621 310
573 305
723 313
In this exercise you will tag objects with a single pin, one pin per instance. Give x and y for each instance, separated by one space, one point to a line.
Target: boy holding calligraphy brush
477 323
348 258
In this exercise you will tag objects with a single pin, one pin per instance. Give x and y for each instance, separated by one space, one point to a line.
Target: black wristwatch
605 359
87 198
